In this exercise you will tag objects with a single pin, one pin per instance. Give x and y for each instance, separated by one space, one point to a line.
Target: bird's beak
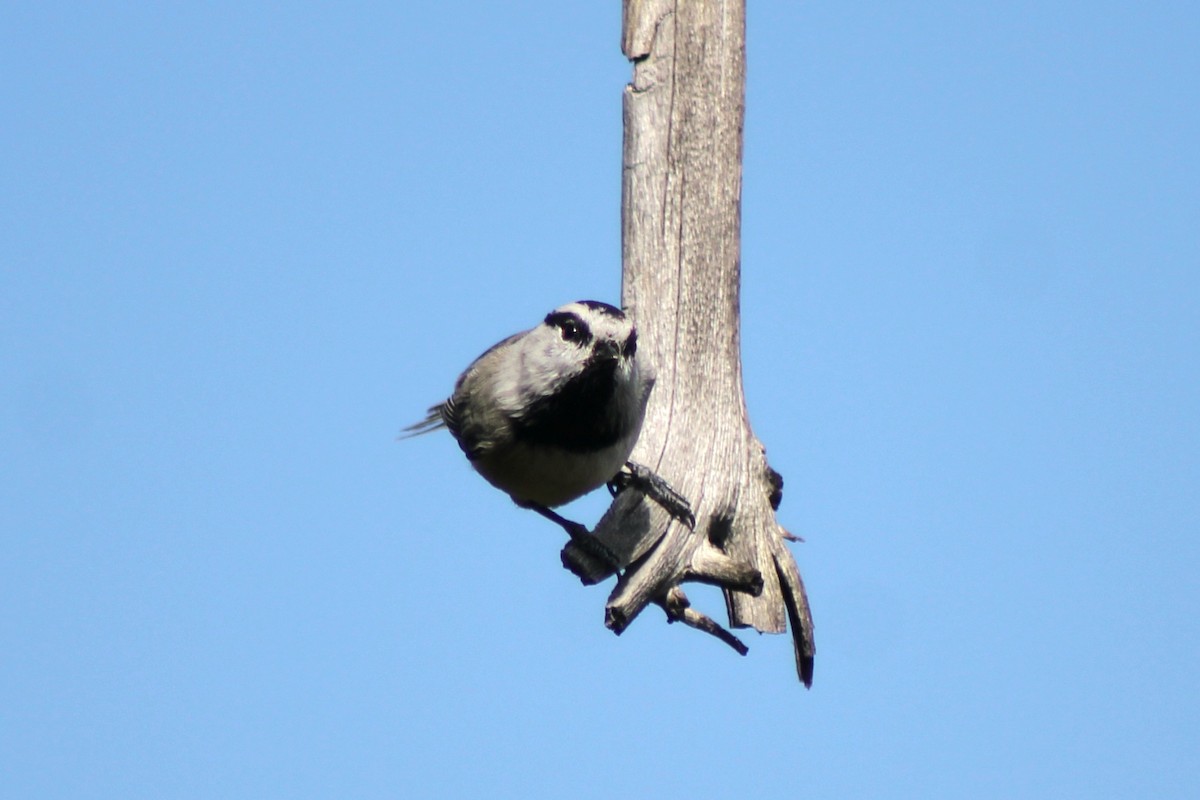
606 350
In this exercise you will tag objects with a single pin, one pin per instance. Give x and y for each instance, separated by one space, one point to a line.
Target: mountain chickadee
552 413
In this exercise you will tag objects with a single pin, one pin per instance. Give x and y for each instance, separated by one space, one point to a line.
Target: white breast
550 476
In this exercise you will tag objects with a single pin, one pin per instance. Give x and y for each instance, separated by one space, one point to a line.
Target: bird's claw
649 483
581 536
593 547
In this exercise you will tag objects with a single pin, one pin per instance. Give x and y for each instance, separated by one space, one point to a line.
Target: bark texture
681 219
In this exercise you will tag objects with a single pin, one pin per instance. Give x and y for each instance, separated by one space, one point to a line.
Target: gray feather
433 421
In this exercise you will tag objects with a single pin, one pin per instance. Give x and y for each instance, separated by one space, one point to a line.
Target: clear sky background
242 247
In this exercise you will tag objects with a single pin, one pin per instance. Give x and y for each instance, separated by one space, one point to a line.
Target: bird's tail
433 420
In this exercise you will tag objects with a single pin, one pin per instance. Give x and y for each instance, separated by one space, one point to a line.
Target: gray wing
476 427
465 427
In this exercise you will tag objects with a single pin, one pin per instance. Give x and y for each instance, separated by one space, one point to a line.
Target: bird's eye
570 330
570 327
630 346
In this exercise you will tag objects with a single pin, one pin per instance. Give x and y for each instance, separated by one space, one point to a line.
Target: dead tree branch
681 223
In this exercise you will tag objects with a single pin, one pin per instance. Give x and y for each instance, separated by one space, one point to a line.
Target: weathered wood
681 221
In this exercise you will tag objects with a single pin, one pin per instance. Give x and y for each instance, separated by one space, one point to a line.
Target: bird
552 413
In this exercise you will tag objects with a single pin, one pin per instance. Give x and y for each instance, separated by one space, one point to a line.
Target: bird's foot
646 481
582 537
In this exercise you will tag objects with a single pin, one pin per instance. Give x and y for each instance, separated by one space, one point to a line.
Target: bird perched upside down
552 413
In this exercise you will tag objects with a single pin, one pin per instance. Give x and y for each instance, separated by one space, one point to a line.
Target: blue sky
241 247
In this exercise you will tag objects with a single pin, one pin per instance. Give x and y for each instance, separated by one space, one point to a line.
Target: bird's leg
580 535
646 481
